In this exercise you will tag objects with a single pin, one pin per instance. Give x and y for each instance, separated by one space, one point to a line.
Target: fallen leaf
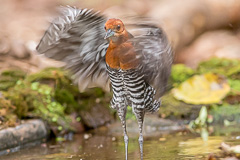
202 89
230 149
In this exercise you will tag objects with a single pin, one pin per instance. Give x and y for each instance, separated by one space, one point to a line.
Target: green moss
8 78
227 67
48 73
48 94
37 100
234 84
14 73
225 112
180 73
174 109
7 116
51 95
64 91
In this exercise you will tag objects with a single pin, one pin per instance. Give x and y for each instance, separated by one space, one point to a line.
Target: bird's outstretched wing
155 51
76 37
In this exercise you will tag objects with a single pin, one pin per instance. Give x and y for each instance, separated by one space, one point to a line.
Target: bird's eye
118 27
105 27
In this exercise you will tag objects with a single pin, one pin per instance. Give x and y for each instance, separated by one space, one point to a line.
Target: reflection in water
103 147
198 146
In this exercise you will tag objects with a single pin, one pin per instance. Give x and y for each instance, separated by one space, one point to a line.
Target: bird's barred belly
129 88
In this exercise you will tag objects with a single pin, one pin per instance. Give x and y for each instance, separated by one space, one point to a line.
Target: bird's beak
109 33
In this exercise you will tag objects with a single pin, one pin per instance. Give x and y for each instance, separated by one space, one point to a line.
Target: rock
116 11
141 7
230 149
96 116
153 126
226 112
19 50
193 17
76 124
4 44
19 136
174 109
215 43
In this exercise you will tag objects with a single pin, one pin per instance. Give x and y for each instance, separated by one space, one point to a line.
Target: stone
96 116
19 50
221 43
27 132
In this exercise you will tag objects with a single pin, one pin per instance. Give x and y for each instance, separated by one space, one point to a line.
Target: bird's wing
155 51
76 37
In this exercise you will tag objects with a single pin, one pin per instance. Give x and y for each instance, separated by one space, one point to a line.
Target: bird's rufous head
114 28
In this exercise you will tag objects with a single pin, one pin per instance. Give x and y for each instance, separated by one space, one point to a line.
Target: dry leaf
202 89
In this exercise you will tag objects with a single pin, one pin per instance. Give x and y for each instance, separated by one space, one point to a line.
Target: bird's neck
120 53
118 40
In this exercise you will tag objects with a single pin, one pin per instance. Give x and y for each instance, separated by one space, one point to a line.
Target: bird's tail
155 107
151 105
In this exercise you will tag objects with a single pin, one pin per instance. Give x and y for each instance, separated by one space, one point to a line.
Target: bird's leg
122 115
139 113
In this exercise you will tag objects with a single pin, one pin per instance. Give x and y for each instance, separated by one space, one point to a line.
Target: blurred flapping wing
76 37
155 51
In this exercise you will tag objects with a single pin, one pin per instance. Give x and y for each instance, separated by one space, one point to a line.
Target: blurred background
204 88
198 30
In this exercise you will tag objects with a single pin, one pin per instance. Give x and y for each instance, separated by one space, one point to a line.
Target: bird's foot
140 140
126 146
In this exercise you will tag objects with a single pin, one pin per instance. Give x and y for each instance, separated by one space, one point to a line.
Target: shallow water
102 146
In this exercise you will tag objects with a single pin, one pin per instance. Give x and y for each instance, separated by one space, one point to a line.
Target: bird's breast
122 57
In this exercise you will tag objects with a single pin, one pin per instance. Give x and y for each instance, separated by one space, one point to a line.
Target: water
102 146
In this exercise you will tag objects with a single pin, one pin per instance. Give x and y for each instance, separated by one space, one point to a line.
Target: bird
133 63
